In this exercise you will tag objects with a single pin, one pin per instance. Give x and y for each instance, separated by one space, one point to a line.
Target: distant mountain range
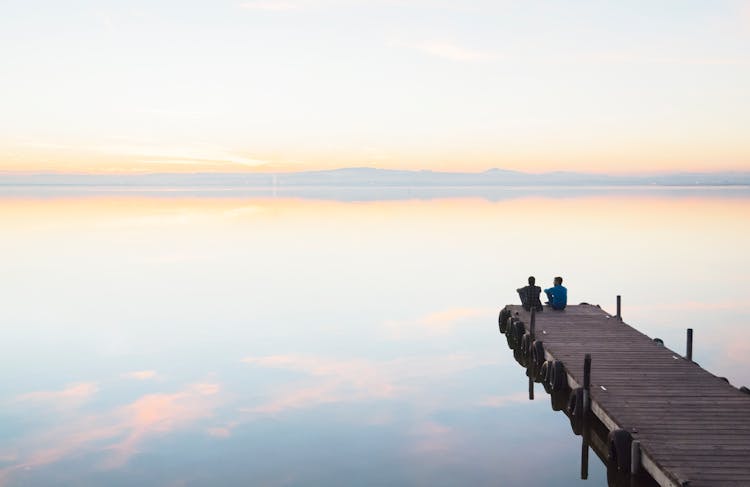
371 177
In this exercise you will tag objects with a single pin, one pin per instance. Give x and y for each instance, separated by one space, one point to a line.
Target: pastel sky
595 85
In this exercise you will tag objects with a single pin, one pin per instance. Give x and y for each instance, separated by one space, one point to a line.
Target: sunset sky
146 86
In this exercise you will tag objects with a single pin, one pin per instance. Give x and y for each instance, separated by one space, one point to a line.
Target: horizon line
373 168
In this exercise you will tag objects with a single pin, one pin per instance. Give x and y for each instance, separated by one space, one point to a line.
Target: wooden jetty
688 427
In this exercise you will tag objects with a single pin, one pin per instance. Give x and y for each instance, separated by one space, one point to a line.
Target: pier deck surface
694 427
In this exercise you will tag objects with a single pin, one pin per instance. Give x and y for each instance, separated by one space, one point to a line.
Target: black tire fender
502 320
558 379
546 375
619 442
518 332
526 345
537 353
575 410
575 403
541 373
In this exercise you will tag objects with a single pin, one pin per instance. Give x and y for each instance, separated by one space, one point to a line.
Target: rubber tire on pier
537 353
526 346
519 331
545 374
558 400
745 390
558 378
619 442
510 332
575 410
502 320
516 331
541 372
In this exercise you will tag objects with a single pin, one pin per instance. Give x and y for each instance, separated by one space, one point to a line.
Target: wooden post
689 355
635 457
585 455
619 307
531 389
585 430
531 365
586 383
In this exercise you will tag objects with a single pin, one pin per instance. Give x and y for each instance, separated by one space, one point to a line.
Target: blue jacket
558 296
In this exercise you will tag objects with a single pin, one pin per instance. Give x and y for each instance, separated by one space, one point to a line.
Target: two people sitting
557 295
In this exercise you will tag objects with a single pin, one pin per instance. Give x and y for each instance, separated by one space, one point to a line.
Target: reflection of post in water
531 368
585 396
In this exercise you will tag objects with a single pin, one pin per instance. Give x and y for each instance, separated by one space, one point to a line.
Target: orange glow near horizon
543 152
598 160
627 209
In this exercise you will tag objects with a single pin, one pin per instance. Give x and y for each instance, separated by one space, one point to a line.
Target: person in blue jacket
557 295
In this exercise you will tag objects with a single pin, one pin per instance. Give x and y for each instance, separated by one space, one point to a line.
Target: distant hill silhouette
372 177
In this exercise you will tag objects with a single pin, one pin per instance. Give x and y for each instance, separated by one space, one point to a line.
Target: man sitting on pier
530 295
557 295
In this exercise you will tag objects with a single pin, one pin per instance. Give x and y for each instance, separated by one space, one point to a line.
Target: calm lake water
187 338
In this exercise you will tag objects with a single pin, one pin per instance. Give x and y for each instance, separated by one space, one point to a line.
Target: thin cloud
432 437
219 432
120 431
270 5
500 401
439 322
451 51
178 155
76 393
337 381
140 375
694 306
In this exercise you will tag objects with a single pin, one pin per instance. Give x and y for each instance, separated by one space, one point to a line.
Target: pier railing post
585 454
586 383
532 325
531 389
689 354
585 430
635 457
619 307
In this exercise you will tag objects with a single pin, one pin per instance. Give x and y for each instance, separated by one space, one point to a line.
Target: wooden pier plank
693 426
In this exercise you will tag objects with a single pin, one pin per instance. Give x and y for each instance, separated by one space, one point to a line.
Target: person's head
558 281
532 281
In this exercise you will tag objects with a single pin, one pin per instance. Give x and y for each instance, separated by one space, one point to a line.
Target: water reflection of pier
652 416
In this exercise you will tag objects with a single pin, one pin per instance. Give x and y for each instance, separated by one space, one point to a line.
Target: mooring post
585 454
532 325
585 429
619 307
531 389
586 383
689 355
635 457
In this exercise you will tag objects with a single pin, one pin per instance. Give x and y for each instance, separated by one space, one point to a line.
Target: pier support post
531 389
585 454
619 307
531 366
585 430
532 325
586 383
689 354
635 457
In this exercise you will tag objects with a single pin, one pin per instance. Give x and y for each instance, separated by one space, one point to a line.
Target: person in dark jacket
530 295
